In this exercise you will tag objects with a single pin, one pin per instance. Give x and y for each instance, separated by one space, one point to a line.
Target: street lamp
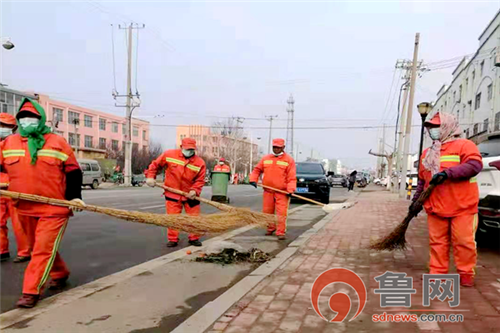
424 109
7 44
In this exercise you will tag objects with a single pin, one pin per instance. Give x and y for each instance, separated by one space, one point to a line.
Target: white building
474 93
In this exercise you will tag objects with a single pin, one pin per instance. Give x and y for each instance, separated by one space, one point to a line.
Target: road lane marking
155 206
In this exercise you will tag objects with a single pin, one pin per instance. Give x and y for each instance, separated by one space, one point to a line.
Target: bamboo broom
396 239
210 223
244 213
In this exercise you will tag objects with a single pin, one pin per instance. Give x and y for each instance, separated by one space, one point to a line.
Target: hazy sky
201 60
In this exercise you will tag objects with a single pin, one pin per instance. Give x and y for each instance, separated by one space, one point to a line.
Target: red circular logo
339 302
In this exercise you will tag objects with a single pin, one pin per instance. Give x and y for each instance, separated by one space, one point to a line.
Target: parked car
92 175
488 181
361 181
338 180
138 180
312 182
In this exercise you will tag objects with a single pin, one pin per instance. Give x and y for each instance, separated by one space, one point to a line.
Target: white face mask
5 132
277 154
221 163
29 122
188 152
435 133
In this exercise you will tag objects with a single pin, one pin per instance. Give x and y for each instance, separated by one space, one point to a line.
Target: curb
204 318
15 316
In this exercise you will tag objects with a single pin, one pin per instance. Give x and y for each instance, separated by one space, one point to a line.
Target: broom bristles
213 223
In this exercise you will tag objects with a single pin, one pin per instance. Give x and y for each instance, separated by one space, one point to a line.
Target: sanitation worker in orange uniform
8 125
452 163
222 166
39 162
278 171
186 172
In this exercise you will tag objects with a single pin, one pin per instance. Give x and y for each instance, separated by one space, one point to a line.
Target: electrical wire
389 95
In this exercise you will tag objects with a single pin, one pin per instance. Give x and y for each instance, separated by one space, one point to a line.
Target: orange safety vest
181 173
222 168
47 177
453 197
279 172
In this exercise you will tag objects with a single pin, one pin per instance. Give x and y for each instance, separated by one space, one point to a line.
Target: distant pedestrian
352 180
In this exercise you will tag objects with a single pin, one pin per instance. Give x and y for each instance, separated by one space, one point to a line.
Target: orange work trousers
458 232
276 202
175 207
7 210
45 235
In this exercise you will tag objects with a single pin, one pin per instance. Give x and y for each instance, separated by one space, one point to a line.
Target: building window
102 143
74 139
459 93
114 127
57 115
497 121
144 134
102 124
135 131
88 141
114 145
73 118
87 121
481 67
473 75
145 148
467 134
486 124
490 91
477 103
124 129
135 147
476 129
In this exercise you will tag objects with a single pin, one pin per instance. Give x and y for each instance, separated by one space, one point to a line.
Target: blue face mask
188 152
435 133
5 132
26 123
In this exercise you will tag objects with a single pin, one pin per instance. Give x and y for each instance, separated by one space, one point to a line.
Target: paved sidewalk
281 302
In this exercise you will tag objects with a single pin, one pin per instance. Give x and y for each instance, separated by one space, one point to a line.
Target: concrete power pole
402 189
270 119
289 128
402 124
129 105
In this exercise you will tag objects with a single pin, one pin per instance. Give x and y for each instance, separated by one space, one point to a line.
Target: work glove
254 184
150 182
439 178
79 202
415 208
191 195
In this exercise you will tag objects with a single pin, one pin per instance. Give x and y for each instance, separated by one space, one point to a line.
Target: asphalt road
97 245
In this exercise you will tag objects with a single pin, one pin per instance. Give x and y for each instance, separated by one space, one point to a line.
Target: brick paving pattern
281 303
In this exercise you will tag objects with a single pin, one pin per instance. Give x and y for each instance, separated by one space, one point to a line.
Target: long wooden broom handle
217 205
293 195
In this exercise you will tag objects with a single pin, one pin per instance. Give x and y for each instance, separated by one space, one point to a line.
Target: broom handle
425 194
293 195
50 201
217 205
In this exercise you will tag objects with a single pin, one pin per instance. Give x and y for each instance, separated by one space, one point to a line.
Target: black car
312 182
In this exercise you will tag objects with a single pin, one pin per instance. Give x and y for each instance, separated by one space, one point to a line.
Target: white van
92 175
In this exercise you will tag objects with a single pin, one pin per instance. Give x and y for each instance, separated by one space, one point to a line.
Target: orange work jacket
181 173
279 172
453 197
47 177
222 168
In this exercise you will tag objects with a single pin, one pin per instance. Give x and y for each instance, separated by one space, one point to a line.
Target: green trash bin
220 182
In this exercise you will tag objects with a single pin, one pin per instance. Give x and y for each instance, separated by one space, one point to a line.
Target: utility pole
130 106
289 128
402 124
382 151
402 189
270 119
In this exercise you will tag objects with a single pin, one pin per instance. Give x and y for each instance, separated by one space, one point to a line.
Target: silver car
92 174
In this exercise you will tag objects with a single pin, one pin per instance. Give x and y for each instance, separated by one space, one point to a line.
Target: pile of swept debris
232 256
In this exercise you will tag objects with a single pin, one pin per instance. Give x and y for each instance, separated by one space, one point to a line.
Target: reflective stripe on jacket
47 177
455 197
181 173
279 172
